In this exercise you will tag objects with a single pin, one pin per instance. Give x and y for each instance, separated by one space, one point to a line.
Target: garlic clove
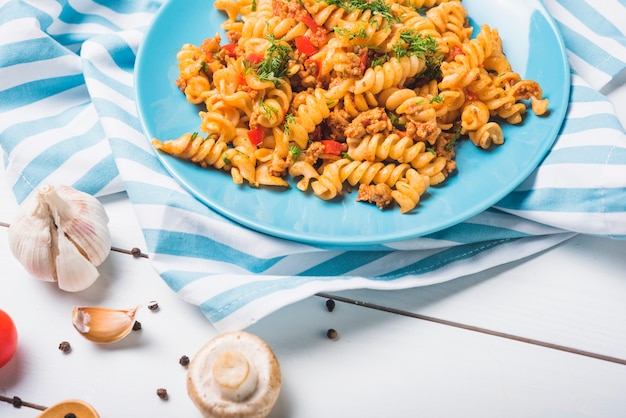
82 218
71 406
74 272
30 239
61 234
103 325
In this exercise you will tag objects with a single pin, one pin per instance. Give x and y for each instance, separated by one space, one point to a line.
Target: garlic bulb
61 235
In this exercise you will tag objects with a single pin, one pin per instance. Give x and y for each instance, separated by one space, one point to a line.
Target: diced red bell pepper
254 58
305 46
256 135
332 146
308 20
230 49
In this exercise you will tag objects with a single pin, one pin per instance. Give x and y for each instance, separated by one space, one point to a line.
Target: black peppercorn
184 361
330 305
136 252
162 393
136 326
332 334
17 402
153 305
65 347
70 415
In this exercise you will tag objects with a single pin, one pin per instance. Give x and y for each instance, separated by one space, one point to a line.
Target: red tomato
8 338
305 46
254 58
331 146
256 136
308 20
230 48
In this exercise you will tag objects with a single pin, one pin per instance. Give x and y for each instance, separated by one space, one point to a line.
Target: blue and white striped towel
67 115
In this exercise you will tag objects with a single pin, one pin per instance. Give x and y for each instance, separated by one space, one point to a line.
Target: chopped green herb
294 151
225 158
431 150
360 33
377 7
203 67
346 156
424 47
253 8
457 134
395 121
269 111
436 99
194 135
289 119
379 60
274 67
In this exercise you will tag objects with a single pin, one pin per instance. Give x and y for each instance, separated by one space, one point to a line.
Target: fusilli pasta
372 93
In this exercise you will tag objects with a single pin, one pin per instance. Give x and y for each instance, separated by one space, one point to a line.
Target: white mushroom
234 375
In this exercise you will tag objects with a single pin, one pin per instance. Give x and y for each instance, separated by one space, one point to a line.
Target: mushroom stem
234 376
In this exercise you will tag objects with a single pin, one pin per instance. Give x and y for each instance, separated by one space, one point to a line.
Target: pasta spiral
310 113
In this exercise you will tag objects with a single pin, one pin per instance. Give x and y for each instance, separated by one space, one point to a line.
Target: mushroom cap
209 397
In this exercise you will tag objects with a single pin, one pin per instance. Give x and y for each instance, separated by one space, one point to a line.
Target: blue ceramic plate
532 44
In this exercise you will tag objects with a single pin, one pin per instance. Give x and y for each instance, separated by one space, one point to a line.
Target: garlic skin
61 235
103 325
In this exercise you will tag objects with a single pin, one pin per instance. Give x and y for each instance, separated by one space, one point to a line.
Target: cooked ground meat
422 131
279 167
211 45
337 122
233 36
371 121
379 194
298 99
308 72
353 65
444 148
313 152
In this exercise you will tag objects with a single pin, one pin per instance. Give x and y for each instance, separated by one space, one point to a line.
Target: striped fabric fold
580 186
595 38
50 128
67 115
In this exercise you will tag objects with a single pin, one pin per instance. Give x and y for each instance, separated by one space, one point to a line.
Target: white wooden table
542 337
